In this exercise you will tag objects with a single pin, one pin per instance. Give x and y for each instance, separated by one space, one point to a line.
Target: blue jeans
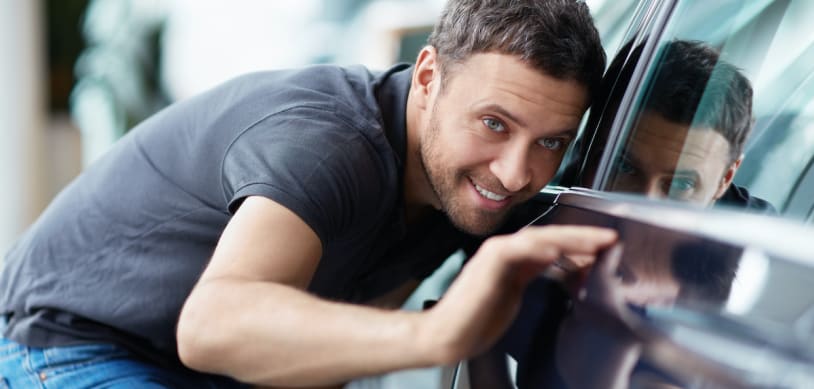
91 366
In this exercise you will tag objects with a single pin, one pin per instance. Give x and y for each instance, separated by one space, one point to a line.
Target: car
711 284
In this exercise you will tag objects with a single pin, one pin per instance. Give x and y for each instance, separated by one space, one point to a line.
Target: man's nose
512 168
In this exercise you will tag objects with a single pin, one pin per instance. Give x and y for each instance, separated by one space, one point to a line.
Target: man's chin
482 226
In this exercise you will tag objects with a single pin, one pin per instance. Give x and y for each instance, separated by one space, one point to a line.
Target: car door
699 153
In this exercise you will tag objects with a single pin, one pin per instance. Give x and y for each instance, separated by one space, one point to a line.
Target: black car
713 283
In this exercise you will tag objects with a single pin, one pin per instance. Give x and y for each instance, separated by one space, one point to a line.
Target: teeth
489 195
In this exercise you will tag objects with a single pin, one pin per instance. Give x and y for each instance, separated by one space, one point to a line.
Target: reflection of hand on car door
595 348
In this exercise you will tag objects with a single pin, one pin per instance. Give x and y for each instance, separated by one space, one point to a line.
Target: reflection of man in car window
688 141
686 144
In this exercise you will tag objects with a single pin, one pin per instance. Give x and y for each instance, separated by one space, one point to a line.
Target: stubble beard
479 222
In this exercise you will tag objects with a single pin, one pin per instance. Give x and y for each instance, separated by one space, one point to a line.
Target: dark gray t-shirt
117 252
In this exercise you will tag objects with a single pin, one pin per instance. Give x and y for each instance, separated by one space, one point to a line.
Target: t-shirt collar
391 95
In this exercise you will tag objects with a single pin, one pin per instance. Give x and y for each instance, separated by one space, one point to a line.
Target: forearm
238 323
272 334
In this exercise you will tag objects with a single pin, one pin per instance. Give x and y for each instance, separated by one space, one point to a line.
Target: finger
554 272
610 260
571 271
551 242
602 285
518 257
578 261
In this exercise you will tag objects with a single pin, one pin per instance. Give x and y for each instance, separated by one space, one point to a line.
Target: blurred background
77 74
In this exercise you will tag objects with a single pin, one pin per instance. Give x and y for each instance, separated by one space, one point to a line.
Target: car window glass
617 21
725 114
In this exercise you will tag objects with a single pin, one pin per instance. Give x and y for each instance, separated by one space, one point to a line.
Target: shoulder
332 182
317 85
319 97
312 136
315 142
325 112
736 196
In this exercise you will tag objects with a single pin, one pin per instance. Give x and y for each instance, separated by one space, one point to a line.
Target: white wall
22 117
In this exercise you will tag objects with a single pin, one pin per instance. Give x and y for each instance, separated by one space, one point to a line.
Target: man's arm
250 318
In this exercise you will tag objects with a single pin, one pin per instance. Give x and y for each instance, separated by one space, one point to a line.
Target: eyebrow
684 173
571 132
503 112
631 158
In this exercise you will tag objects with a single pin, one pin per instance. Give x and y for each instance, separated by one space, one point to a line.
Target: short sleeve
310 161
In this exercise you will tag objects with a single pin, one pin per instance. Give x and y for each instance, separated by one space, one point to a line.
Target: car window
617 21
724 116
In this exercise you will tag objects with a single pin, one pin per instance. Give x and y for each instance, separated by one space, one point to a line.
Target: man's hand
485 298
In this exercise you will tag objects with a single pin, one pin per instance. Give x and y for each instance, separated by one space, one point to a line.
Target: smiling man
496 134
249 234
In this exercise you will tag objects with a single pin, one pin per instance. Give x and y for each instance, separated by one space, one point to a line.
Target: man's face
496 134
665 159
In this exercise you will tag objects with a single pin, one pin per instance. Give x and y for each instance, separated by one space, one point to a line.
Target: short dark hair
694 86
557 37
705 270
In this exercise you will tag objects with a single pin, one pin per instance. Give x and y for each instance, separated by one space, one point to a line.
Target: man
248 231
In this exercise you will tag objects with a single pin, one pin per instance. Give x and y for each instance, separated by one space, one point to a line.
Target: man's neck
413 215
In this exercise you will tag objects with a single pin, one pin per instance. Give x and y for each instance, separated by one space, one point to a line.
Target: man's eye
494 125
624 167
681 188
681 185
553 144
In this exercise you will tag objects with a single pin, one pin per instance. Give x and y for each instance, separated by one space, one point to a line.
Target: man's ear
729 175
426 77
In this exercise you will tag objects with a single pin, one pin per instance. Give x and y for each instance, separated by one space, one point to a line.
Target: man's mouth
489 195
